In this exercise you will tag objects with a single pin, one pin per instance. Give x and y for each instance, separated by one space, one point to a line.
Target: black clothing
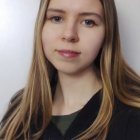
125 123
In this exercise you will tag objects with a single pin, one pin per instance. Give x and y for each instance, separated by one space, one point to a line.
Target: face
73 34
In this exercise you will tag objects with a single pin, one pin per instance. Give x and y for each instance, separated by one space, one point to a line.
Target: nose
70 33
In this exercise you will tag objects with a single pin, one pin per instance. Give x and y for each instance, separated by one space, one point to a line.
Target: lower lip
68 54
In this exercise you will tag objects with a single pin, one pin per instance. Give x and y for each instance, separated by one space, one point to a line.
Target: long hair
35 100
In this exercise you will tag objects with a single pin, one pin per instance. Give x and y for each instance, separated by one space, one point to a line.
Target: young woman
79 85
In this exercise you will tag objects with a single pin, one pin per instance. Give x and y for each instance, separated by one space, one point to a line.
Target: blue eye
89 23
56 19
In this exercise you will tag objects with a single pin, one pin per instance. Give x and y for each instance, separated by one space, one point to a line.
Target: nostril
71 37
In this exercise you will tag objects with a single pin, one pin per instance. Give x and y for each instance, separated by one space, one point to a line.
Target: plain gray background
17 19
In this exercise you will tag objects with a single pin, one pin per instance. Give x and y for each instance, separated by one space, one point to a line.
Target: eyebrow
81 14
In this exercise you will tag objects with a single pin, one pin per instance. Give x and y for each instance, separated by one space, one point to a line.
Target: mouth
68 53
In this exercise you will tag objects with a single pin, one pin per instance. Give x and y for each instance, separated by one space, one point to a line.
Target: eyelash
58 19
91 22
53 19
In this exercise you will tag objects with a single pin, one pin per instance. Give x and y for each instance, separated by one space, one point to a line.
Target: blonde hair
35 100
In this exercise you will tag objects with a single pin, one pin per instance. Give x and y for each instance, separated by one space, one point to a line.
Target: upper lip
68 51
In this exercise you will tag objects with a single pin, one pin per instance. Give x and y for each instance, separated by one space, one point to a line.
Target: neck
76 88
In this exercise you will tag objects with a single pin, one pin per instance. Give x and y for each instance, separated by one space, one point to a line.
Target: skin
71 26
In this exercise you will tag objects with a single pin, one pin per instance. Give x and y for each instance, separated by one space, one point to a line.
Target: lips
68 53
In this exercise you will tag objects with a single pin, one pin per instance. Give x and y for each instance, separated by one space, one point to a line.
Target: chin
68 71
71 69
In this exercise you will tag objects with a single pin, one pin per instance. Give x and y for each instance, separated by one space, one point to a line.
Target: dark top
125 123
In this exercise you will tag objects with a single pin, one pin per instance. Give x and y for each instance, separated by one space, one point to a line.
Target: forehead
77 5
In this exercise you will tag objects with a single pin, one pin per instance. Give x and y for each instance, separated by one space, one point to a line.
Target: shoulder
125 123
133 125
16 96
14 102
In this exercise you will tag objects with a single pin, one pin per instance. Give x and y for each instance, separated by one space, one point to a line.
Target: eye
89 23
56 19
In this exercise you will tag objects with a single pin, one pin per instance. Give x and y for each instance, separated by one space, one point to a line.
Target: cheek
46 36
94 43
50 33
46 41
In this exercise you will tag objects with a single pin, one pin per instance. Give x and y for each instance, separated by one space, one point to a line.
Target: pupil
88 22
57 18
